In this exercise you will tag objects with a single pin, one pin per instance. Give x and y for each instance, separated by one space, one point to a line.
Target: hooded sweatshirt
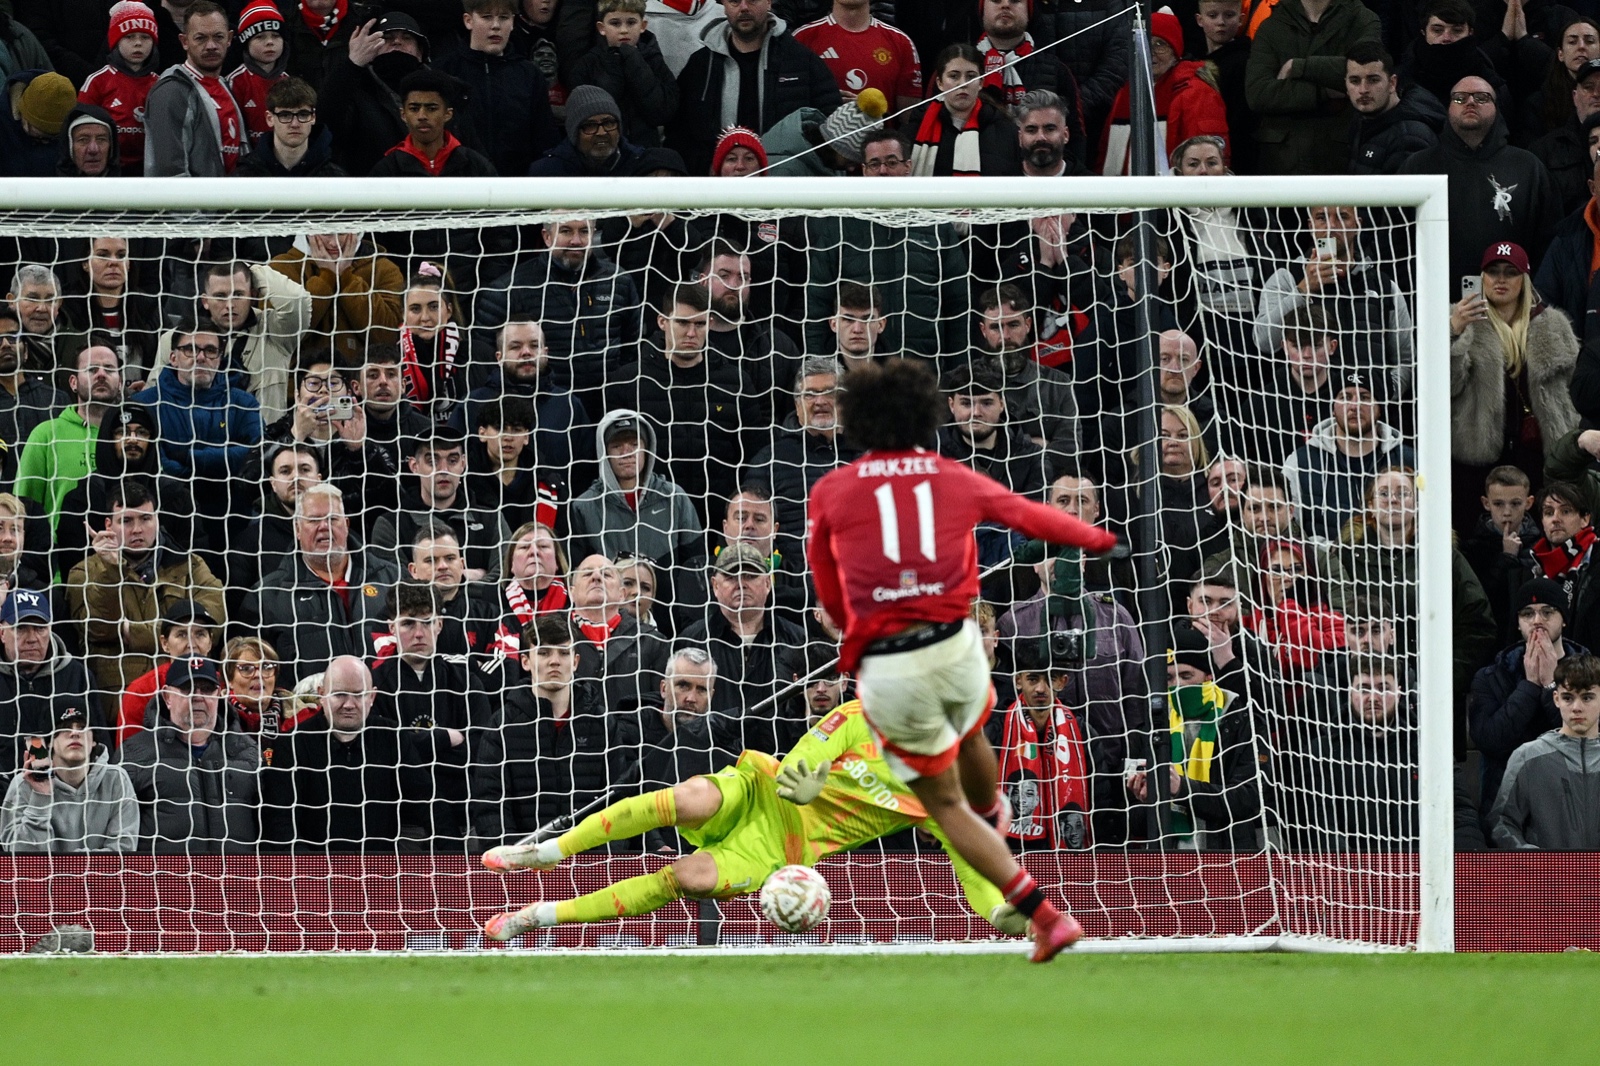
98 815
1550 797
656 520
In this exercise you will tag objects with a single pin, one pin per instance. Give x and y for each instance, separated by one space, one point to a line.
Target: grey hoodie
1549 798
183 135
100 815
663 527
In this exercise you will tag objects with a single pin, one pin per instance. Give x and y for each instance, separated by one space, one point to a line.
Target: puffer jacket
1380 143
792 77
1094 45
1505 711
1567 156
1564 278
206 433
663 525
1550 798
506 115
362 306
1479 431
190 805
1187 105
1302 130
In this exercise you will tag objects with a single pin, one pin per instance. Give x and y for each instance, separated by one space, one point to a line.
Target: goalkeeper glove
1009 920
799 784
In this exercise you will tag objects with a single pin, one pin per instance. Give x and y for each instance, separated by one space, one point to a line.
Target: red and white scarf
1000 67
325 26
447 343
967 162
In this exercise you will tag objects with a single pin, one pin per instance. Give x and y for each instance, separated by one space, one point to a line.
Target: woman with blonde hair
1511 363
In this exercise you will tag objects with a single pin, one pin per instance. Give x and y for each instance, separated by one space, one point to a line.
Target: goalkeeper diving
831 793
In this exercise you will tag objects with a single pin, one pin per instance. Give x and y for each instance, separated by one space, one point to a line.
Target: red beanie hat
737 137
260 17
1165 25
127 17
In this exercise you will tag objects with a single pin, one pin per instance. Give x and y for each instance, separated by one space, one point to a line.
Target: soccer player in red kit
892 553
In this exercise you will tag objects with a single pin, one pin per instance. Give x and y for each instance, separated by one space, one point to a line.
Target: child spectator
1550 796
264 63
506 114
1187 102
427 104
630 67
1228 50
120 87
498 479
1497 544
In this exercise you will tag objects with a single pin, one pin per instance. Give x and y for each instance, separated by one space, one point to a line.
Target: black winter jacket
590 316
362 113
1551 797
749 673
318 162
1505 711
1098 57
1566 155
530 768
319 793
306 621
639 80
189 805
1563 276
1380 143
445 695
789 467
506 115
630 667
1355 790
463 162
794 78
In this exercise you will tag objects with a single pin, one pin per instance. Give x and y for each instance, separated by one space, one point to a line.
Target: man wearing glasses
594 144
295 147
208 429
1497 192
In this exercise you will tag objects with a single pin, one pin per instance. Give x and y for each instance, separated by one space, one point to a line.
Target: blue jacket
563 161
1563 276
558 415
21 156
209 433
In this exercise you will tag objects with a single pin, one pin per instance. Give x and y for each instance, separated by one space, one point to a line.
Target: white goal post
160 207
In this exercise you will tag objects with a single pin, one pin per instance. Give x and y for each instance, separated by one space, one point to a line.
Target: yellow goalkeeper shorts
754 832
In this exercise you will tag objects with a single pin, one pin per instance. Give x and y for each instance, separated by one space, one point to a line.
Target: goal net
349 533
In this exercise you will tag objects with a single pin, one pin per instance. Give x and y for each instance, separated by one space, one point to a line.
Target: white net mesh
249 447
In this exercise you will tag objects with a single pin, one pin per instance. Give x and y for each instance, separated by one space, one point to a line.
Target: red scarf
325 26
598 633
1044 776
966 162
1557 559
1000 67
419 387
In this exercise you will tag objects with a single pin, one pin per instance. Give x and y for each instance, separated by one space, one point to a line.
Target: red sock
1022 893
988 813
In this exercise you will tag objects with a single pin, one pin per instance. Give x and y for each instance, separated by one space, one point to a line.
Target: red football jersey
250 90
890 541
123 95
878 57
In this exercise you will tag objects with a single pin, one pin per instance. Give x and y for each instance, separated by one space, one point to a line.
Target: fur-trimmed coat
1478 387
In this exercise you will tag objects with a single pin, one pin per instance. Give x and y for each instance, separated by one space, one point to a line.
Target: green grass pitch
1233 1009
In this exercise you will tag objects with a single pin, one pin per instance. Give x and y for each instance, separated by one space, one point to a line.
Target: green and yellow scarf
1192 712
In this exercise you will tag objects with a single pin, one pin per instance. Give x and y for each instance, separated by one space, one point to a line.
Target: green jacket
58 455
1300 128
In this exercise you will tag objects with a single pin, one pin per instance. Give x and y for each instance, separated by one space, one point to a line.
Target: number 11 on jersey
889 518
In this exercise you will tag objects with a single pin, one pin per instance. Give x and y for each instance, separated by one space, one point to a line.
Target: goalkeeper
840 793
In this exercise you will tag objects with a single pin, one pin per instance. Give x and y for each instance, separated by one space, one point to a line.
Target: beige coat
1478 391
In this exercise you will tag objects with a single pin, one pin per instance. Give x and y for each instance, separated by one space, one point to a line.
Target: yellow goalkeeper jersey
863 800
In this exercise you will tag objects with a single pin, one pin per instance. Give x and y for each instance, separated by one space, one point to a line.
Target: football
795 899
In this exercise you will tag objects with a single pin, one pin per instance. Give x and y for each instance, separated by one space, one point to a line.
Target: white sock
544 914
548 850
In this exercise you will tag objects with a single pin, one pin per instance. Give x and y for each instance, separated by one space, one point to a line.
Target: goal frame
1426 194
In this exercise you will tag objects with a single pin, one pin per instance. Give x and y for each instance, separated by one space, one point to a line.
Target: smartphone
1327 247
40 754
1472 285
344 408
1131 767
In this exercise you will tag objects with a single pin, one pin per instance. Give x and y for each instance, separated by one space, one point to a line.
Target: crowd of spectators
418 540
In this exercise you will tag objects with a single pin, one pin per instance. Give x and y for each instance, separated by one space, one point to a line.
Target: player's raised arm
1037 520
